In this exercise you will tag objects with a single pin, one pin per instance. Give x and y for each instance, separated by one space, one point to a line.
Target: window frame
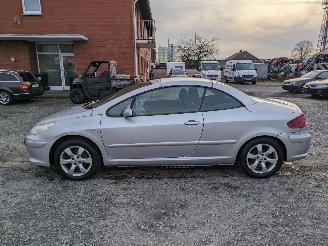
206 111
10 81
135 96
199 110
29 12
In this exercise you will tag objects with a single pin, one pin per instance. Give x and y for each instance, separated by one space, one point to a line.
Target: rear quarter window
215 100
5 77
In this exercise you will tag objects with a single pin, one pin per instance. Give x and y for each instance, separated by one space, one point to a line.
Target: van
240 71
177 68
210 70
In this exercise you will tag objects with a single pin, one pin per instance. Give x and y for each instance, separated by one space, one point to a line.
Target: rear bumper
22 96
297 145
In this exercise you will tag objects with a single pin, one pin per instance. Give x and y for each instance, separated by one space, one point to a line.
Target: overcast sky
266 28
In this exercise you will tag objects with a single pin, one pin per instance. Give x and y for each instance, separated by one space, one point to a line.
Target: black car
18 85
317 89
296 85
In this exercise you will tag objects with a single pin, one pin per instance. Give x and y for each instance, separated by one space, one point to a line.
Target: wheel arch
281 143
64 138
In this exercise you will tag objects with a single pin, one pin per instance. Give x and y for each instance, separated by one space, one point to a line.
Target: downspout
135 30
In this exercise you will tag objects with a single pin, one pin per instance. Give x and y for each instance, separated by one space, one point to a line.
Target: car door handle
192 123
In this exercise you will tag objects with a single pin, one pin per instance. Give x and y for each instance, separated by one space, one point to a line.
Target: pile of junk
286 68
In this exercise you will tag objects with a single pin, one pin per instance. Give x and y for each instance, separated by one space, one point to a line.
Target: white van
210 70
240 71
176 69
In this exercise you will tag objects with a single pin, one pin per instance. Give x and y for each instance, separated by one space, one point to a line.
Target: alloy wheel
75 161
262 158
4 98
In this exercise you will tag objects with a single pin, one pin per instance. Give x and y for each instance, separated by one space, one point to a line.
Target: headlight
41 128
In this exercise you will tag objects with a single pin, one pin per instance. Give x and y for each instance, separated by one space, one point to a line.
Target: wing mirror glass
127 113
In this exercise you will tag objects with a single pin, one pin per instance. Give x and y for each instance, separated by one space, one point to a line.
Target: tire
76 159
253 82
5 98
77 96
255 163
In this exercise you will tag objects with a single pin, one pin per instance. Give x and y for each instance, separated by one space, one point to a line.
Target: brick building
62 36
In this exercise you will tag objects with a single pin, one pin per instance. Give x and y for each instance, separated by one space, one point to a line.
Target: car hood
68 113
272 104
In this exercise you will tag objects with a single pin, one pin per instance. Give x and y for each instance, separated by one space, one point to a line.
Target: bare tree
194 50
303 49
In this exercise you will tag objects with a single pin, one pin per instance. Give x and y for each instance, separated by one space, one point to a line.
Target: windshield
245 66
210 66
311 75
178 71
95 104
27 77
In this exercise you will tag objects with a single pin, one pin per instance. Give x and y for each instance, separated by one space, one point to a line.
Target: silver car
180 121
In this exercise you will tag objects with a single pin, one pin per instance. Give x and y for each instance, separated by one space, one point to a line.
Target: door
67 70
226 120
166 124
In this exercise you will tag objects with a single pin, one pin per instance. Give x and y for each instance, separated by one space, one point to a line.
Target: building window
32 7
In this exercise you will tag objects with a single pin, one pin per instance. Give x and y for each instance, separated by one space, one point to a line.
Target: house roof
43 37
243 55
145 9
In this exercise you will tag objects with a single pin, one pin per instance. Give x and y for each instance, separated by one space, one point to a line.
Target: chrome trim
172 144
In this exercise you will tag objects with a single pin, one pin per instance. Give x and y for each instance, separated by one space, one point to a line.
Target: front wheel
261 158
253 82
76 159
77 96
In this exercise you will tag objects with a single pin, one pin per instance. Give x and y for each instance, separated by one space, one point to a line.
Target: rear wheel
261 158
5 98
76 159
77 96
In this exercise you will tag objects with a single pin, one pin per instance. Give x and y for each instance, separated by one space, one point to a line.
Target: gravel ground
162 206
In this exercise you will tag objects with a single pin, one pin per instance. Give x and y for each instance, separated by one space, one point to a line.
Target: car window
171 100
117 110
215 100
323 75
8 78
27 77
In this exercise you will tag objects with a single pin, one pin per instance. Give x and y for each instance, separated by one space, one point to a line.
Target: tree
303 49
193 50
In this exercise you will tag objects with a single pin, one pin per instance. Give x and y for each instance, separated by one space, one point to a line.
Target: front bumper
322 92
38 150
297 145
292 88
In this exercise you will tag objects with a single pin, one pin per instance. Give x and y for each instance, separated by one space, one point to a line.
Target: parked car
296 85
180 121
177 73
317 89
18 85
240 71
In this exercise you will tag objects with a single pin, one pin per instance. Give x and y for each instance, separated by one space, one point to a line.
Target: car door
225 121
166 124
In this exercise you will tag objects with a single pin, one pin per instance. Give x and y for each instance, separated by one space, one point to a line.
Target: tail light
24 87
298 122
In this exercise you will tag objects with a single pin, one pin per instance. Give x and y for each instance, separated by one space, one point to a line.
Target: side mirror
198 69
127 113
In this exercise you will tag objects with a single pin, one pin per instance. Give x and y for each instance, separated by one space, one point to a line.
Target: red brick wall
107 23
22 51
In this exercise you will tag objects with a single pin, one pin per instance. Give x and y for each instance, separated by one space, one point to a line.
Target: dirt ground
162 206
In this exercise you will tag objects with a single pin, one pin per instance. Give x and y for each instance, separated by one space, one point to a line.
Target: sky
266 28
